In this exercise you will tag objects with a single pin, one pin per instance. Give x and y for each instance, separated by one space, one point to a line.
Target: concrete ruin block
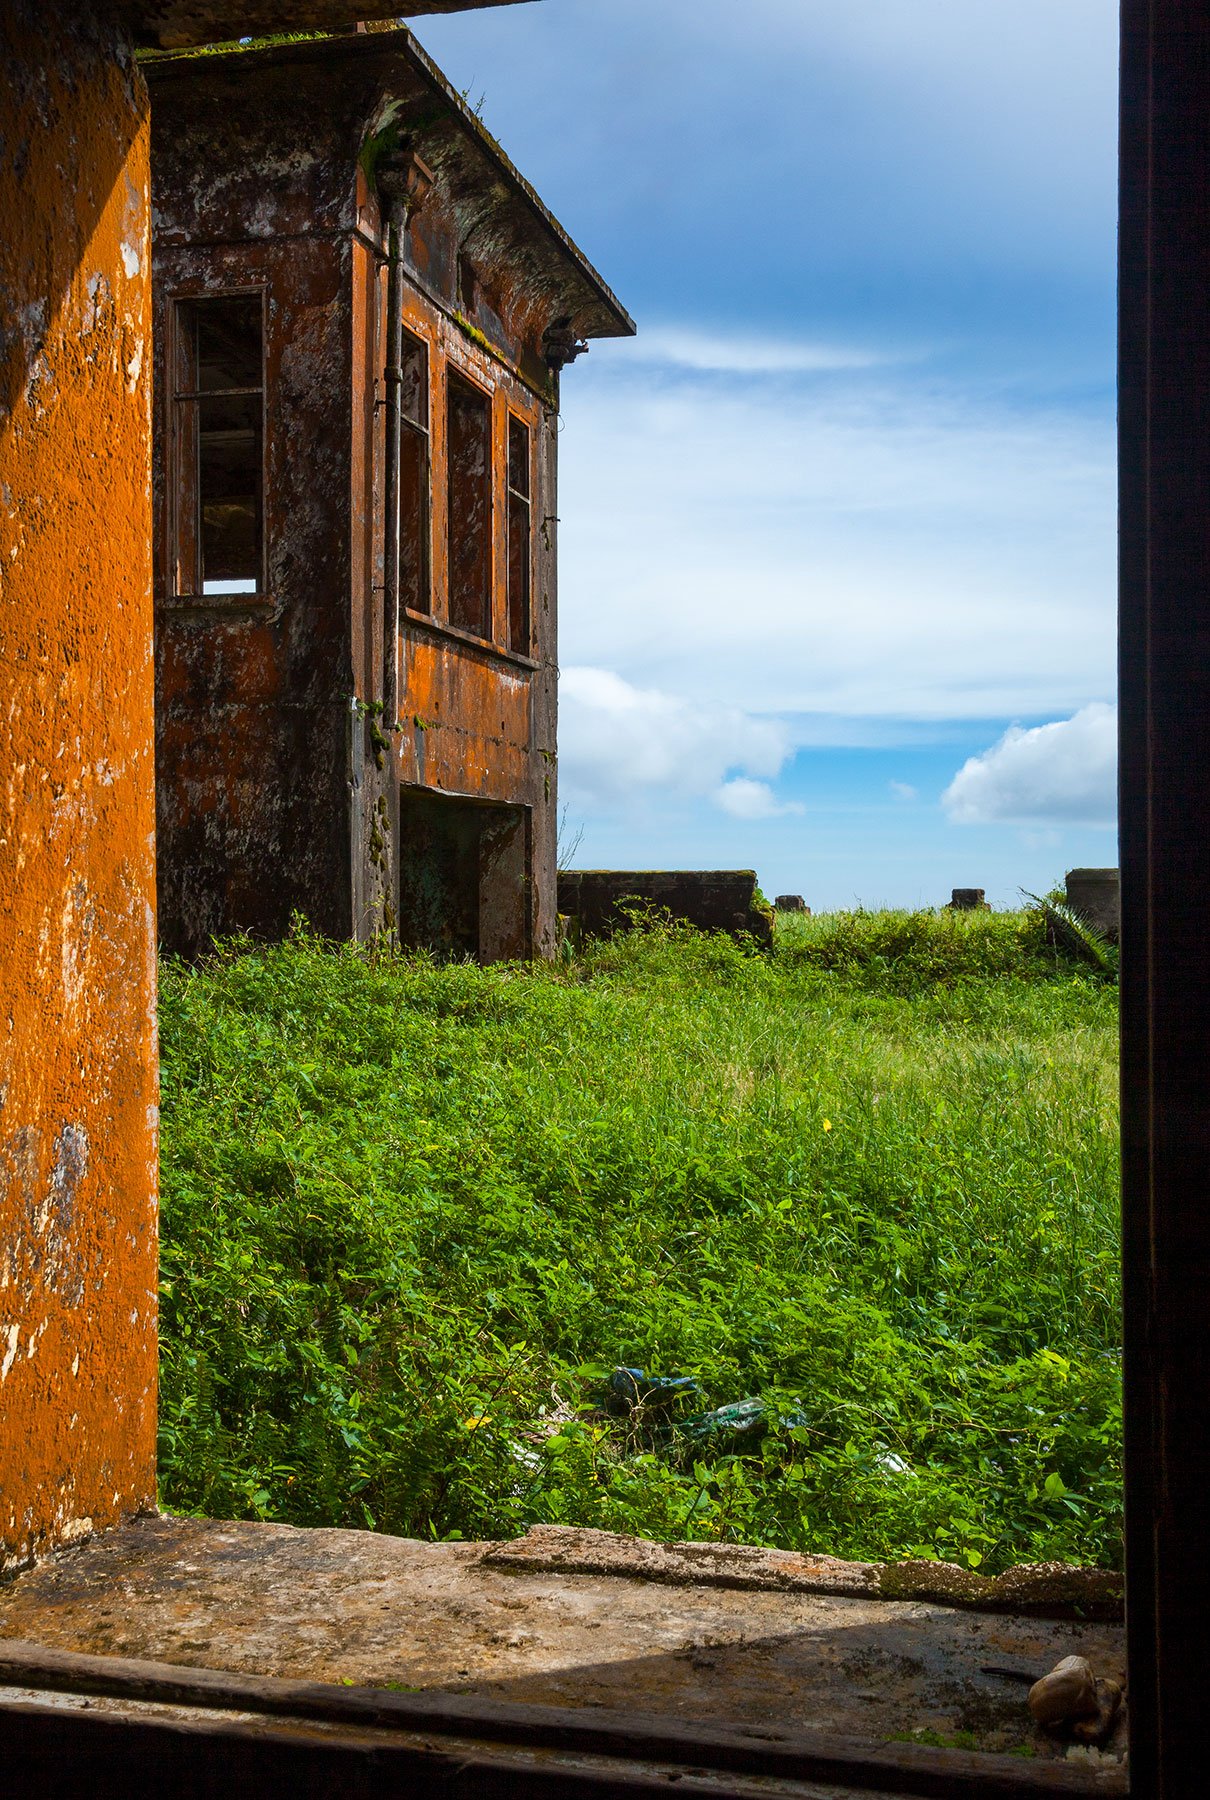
712 899
1094 894
791 903
968 900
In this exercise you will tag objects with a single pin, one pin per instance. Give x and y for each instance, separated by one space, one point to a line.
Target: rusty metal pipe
392 403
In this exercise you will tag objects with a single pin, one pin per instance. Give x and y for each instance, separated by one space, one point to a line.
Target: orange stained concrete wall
77 946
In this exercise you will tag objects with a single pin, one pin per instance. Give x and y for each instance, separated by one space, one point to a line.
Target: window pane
518 574
518 537
414 587
414 393
414 581
469 449
518 457
217 439
227 343
229 466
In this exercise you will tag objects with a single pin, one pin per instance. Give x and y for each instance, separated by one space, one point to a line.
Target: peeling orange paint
77 970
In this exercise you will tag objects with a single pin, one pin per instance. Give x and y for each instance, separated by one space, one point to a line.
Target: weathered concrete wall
77 1045
712 899
1096 895
279 771
253 692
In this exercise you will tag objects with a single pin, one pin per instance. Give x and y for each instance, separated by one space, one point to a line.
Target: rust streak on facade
361 314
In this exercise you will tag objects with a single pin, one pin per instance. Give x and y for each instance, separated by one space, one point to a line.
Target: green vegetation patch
416 1216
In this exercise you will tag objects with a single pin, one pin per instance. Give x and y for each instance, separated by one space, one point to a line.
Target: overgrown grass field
415 1216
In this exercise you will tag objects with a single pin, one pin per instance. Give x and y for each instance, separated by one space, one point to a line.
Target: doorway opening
463 889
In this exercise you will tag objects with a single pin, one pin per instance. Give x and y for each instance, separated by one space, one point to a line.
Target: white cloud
876 547
743 798
684 348
903 790
1064 772
616 740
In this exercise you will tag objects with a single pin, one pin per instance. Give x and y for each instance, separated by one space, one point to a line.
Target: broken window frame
519 535
481 628
186 576
416 434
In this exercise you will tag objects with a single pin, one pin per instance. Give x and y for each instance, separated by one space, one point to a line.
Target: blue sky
837 539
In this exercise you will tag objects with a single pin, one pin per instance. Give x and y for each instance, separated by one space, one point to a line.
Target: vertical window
218 405
469 455
518 537
415 588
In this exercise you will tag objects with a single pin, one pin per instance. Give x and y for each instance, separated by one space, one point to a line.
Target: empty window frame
217 478
469 476
415 577
519 536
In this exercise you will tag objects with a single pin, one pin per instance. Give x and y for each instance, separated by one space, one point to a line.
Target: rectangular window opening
415 574
469 457
218 439
519 537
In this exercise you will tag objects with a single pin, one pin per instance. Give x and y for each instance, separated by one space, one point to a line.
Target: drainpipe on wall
403 183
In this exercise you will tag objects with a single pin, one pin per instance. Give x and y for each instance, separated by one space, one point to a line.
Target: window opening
519 537
469 455
415 577
218 401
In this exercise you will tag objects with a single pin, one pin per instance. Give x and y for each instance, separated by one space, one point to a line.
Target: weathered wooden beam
173 24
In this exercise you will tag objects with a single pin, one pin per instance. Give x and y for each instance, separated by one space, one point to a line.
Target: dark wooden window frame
182 462
457 378
419 433
519 536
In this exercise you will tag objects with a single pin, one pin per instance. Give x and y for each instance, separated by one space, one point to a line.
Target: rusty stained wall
77 1030
279 775
252 693
478 719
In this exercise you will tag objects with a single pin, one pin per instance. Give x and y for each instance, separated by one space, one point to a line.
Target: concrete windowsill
782 1652
441 628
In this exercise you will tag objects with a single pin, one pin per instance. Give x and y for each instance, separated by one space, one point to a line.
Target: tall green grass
414 1216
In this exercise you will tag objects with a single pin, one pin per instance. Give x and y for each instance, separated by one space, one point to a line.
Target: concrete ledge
1038 1590
707 1637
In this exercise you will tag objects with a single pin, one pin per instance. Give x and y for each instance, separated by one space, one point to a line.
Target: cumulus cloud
744 798
617 740
1065 772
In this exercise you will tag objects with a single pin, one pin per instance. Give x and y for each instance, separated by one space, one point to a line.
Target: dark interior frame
468 1747
1164 711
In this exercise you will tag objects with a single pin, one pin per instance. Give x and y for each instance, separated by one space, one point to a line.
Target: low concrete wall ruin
597 900
1094 894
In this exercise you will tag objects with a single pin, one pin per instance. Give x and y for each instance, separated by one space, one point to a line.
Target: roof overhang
174 24
495 205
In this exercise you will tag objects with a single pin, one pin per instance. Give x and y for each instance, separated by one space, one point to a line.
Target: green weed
415 1214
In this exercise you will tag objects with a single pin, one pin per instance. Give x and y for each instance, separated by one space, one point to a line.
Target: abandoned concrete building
361 312
78 1219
